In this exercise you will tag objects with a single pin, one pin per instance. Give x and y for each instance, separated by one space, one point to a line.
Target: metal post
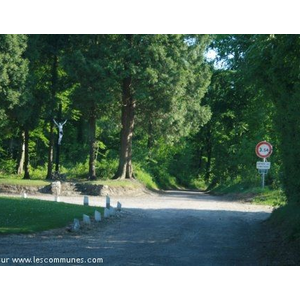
263 177
57 158
57 144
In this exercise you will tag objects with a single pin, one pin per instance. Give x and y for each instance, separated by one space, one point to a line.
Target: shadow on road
168 237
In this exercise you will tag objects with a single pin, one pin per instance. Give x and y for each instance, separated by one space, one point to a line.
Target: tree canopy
151 106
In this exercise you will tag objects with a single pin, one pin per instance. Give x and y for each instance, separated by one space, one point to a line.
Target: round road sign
263 149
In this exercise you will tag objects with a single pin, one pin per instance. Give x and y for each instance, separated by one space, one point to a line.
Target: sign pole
263 177
263 150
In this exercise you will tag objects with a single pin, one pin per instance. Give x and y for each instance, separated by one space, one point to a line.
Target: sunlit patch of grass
18 215
23 182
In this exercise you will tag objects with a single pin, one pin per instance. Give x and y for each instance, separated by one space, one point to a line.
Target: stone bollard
112 211
76 225
119 206
106 213
107 202
86 220
97 216
86 200
56 188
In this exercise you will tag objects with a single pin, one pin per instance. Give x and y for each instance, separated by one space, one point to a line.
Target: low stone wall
72 188
102 190
19 189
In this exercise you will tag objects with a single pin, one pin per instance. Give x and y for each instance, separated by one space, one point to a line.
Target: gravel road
172 228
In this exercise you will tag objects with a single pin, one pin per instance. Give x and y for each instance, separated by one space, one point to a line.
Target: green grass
274 198
24 182
262 196
146 179
239 187
18 215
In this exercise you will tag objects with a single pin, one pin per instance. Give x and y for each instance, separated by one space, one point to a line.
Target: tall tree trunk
93 146
50 152
209 153
199 157
150 141
26 163
54 75
80 133
125 169
57 161
11 147
22 155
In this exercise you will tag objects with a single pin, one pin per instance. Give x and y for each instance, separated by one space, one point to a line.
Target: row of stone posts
109 211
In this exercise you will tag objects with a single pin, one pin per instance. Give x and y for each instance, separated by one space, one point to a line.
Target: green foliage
144 177
88 62
81 76
195 125
198 184
270 64
266 196
39 172
242 115
13 70
106 168
286 220
7 166
170 61
238 186
79 170
28 215
17 180
274 198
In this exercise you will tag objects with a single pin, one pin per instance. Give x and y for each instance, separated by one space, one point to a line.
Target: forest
157 108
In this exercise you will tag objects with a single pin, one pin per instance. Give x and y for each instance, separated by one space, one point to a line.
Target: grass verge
146 179
266 196
24 182
283 236
275 198
18 215
287 220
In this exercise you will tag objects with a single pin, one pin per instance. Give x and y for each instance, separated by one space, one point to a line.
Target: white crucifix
60 126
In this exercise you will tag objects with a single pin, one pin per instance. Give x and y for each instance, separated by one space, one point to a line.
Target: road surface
169 229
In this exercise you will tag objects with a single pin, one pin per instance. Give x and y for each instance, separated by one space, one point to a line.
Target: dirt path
174 228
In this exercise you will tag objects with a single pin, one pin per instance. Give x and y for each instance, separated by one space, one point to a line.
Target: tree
27 113
273 66
13 74
13 70
164 75
241 117
50 51
89 63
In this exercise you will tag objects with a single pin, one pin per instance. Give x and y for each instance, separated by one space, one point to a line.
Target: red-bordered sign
263 149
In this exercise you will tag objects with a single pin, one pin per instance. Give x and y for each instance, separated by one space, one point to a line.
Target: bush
144 177
80 170
7 166
39 172
106 168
